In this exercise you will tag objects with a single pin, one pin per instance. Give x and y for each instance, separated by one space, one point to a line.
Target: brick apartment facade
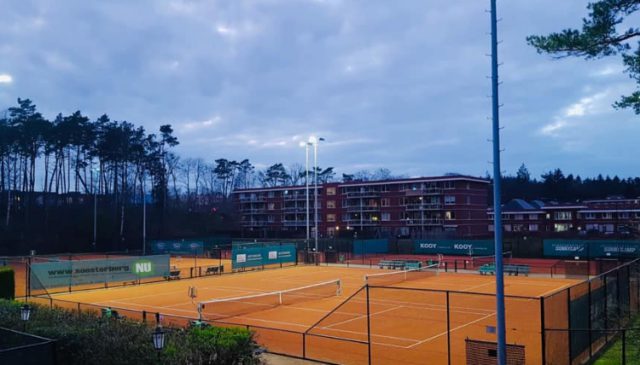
418 207
613 216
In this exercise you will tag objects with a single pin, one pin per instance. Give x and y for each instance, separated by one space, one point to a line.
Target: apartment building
418 207
614 215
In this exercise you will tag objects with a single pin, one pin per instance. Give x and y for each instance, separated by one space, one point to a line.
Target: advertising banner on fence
454 247
178 247
591 248
258 255
361 247
78 272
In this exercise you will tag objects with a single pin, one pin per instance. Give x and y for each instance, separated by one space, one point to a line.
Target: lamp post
314 141
95 208
25 313
158 338
306 181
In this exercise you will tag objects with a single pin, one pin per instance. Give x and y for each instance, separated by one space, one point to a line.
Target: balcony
423 206
296 209
248 199
363 222
425 191
254 223
255 211
424 222
364 208
362 194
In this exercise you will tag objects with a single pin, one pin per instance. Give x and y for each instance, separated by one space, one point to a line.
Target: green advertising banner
243 256
79 272
454 247
591 248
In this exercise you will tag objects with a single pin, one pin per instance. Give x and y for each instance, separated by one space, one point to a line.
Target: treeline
556 186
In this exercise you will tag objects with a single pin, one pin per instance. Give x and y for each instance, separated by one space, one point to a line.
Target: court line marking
362 316
451 330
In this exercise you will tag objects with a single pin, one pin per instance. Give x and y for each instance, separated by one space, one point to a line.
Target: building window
519 217
271 206
449 215
533 217
331 217
385 202
589 215
561 227
449 199
271 194
490 228
623 215
533 227
331 191
507 227
607 215
562 216
385 217
448 185
468 200
331 204
271 219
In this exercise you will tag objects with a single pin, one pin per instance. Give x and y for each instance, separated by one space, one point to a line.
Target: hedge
87 338
7 283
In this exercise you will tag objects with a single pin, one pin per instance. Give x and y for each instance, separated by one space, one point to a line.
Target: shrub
7 283
86 338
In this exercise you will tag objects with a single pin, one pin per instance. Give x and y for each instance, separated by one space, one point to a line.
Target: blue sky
401 85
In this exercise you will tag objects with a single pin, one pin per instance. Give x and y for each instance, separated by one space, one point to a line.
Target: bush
7 283
86 338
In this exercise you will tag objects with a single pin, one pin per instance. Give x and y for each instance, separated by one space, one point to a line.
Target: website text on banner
591 248
71 273
455 247
249 257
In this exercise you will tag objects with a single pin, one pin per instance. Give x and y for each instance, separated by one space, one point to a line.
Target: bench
487 269
392 264
212 270
412 265
517 269
173 274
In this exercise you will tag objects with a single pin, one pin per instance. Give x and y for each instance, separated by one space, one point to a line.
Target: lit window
331 217
331 191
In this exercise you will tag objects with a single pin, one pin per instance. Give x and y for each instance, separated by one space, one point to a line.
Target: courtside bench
174 273
487 269
517 269
392 264
213 270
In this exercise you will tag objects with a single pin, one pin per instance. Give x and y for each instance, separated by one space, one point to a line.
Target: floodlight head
303 143
313 140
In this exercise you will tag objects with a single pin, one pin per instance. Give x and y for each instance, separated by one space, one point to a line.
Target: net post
570 333
448 331
543 333
368 327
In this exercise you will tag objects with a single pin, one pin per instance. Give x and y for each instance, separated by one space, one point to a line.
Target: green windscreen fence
454 247
77 273
253 255
591 248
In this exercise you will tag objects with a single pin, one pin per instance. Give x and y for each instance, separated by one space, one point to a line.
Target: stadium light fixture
158 338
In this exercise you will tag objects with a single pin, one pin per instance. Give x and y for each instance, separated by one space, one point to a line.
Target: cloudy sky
395 84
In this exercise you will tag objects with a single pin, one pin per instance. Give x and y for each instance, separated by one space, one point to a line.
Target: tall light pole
95 207
144 214
306 181
314 141
497 208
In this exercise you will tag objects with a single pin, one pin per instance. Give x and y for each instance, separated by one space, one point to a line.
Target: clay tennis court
413 322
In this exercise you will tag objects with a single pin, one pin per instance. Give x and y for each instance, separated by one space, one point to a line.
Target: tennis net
230 307
389 278
491 259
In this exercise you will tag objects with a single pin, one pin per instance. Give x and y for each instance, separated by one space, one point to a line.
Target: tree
602 34
523 174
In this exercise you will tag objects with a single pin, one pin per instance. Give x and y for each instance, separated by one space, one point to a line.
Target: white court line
362 316
372 335
477 286
453 329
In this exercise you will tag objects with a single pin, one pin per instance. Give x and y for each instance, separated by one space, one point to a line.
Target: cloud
5 79
399 86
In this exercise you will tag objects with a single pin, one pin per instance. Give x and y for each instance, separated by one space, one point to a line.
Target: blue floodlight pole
497 208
